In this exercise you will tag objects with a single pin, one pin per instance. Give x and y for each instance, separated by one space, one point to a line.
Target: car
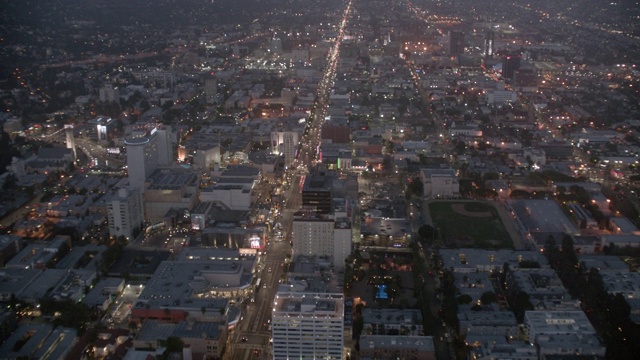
244 339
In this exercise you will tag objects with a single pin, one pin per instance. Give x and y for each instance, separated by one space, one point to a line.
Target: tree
529 264
71 313
173 344
132 326
415 187
464 299
488 297
428 233
520 304
358 326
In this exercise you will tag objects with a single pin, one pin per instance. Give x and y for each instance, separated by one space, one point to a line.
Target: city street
251 338
253 335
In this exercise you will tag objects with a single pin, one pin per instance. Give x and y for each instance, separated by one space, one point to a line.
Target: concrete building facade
308 326
125 213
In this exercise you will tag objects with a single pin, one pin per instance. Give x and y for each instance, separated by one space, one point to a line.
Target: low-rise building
401 322
37 255
544 287
439 182
383 347
73 286
169 188
39 341
10 245
468 260
562 332
103 293
181 289
203 338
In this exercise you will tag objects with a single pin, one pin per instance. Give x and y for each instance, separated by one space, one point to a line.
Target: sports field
469 224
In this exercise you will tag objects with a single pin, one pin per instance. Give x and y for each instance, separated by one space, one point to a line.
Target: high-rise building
70 140
316 235
211 89
125 213
275 45
525 78
313 235
142 158
342 242
285 143
489 43
308 326
100 128
109 94
510 63
456 42
166 155
316 191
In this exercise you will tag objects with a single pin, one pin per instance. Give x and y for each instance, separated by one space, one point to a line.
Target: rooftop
418 343
309 305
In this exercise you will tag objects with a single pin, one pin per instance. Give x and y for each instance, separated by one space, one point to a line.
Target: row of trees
608 313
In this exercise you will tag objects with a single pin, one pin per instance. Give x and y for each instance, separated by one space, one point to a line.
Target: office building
211 89
489 43
285 143
108 93
308 326
526 78
312 235
342 242
70 139
170 188
316 191
142 158
166 153
510 63
275 45
125 213
456 42
317 235
100 128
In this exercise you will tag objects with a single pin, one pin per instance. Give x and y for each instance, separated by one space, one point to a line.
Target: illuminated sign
254 242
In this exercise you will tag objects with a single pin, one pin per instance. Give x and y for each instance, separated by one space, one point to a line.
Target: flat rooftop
173 178
14 281
309 305
418 343
176 283
542 215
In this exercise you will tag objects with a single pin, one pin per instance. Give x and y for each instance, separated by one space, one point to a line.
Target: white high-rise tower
142 158
70 140
125 213
308 326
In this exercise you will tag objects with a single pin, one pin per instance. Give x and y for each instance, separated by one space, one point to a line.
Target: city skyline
346 179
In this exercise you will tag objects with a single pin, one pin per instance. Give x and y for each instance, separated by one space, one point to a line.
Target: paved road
255 327
255 324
